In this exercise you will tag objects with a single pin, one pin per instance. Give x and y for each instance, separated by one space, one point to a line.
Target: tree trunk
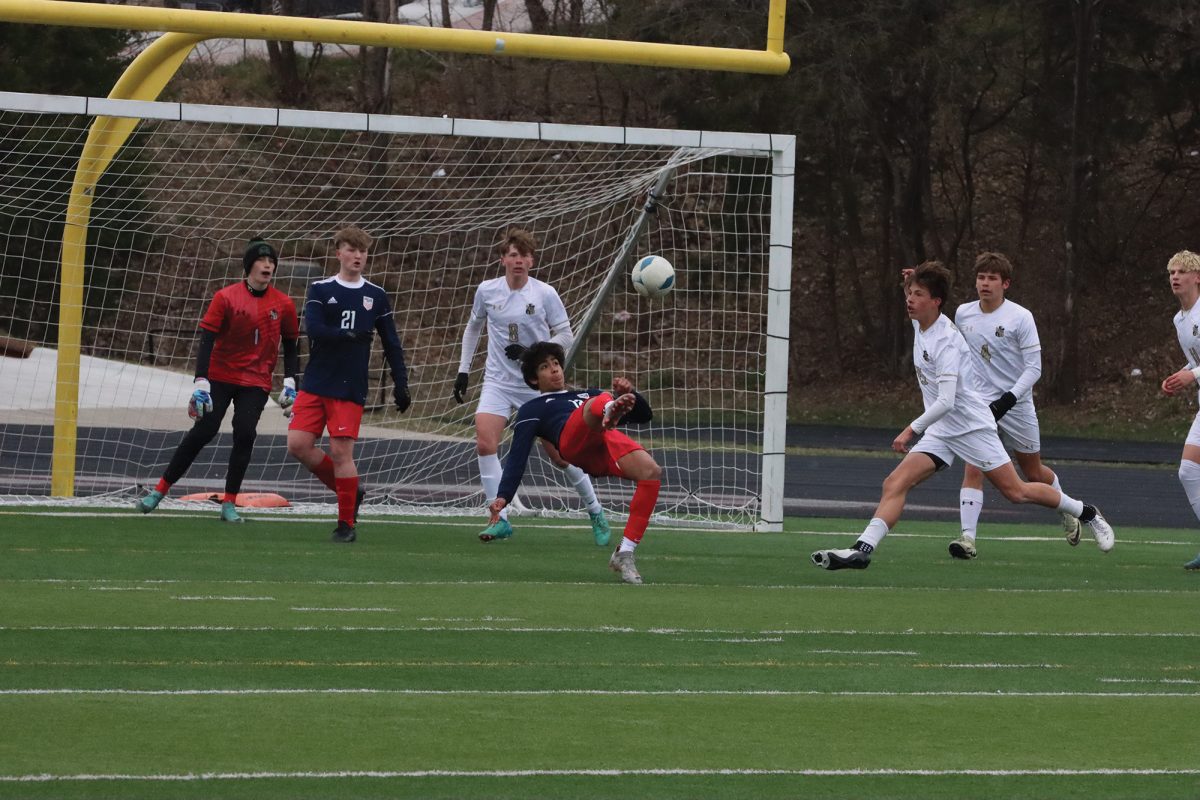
285 66
539 18
1066 384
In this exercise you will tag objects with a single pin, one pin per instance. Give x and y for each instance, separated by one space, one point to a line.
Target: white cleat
1105 538
622 564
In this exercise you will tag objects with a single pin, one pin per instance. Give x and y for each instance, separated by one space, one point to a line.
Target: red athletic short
313 413
595 452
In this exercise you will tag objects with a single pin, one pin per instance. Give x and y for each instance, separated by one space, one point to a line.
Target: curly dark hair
535 356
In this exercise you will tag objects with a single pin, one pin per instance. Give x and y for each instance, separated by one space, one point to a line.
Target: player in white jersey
1007 353
1184 272
956 422
518 311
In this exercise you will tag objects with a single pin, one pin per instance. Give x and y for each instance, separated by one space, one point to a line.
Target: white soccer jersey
1005 344
1187 330
525 316
941 351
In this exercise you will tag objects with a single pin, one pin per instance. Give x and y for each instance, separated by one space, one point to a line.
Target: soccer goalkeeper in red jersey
239 345
581 424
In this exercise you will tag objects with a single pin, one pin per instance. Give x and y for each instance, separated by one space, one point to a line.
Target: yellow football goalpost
149 73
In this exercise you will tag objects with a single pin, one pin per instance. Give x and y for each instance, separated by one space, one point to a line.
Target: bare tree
375 63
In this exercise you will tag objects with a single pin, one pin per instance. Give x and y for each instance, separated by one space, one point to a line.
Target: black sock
863 547
1089 513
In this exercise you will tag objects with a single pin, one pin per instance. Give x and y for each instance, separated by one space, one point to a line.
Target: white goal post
171 215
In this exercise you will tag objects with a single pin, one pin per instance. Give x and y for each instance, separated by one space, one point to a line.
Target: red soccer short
313 413
595 452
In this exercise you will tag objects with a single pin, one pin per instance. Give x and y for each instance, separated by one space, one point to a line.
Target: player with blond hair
956 422
1183 271
1003 339
517 310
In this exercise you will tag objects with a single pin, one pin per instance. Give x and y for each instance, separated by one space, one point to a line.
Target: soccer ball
653 277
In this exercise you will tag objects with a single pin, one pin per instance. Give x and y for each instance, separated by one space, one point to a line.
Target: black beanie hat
256 249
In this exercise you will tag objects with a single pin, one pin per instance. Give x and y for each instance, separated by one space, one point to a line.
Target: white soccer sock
583 485
489 476
874 532
1069 504
1189 476
970 504
627 545
1054 484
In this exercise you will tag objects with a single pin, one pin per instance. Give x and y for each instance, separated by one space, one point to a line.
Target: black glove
514 351
354 336
460 387
403 401
1002 404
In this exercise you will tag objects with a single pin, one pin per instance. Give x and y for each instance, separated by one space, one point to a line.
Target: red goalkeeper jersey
248 329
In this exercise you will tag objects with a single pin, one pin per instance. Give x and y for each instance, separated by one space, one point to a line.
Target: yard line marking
597 773
216 597
867 652
999 693
598 629
311 608
1187 681
769 587
741 640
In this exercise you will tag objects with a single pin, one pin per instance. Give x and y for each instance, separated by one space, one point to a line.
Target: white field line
459 522
867 652
153 582
601 629
237 598
519 693
599 773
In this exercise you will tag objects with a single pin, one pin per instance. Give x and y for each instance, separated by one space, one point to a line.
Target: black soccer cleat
841 559
344 533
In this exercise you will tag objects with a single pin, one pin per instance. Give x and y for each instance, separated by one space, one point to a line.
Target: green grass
421 663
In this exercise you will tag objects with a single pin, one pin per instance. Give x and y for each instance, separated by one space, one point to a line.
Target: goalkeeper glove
288 396
514 351
200 403
351 335
460 387
403 401
1002 404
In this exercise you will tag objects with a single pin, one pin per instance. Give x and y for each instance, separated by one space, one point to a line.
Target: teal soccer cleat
600 529
1194 564
500 529
229 513
149 502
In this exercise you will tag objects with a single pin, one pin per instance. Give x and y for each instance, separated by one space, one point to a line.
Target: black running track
1133 483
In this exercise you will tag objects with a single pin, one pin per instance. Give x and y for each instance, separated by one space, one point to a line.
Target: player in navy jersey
342 314
239 345
516 310
580 424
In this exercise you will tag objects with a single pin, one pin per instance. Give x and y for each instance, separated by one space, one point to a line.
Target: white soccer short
502 400
1019 429
982 449
1193 436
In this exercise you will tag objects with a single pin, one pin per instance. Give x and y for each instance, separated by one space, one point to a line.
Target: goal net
176 205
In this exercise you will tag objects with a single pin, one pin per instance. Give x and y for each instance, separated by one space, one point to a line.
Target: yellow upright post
143 80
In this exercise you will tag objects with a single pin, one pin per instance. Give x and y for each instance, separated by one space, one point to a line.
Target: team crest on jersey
1196 330
925 355
274 315
1000 331
368 303
529 309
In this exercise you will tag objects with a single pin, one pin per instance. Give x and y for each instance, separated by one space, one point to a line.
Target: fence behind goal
175 208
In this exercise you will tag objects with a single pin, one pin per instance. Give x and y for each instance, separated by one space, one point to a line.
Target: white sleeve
1031 354
471 334
557 320
947 389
